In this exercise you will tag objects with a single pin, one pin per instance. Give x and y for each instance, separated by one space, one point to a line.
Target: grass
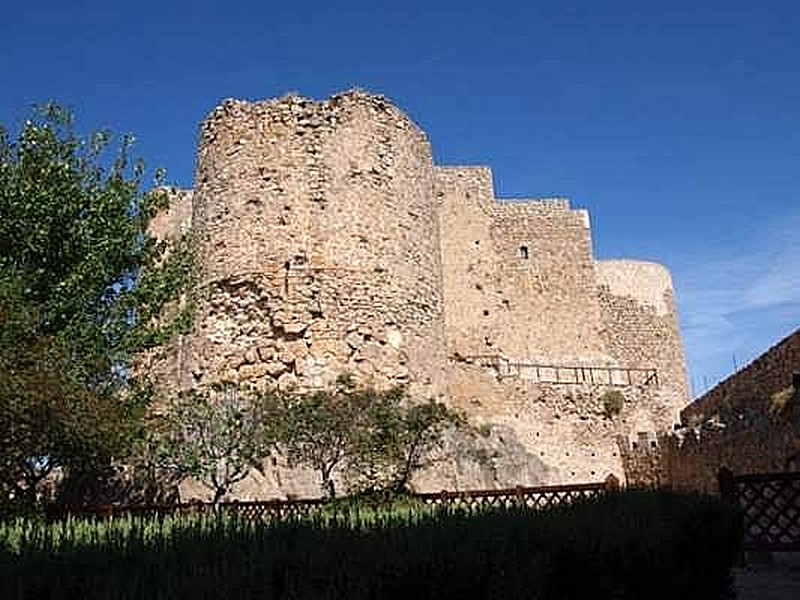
626 545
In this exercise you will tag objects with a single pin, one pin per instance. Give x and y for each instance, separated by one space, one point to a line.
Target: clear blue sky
677 124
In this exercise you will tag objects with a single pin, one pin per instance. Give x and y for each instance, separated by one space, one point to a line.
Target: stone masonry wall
641 325
175 220
548 309
465 198
518 276
749 423
319 244
767 374
690 460
563 433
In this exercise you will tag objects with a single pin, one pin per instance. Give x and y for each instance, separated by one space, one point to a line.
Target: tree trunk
328 486
219 492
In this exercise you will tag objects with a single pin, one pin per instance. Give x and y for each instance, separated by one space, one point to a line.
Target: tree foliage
83 289
216 436
397 437
319 430
613 402
375 440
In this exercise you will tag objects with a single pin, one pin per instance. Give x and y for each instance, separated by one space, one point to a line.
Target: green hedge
627 545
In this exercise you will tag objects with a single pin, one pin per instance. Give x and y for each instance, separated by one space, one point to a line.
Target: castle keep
329 242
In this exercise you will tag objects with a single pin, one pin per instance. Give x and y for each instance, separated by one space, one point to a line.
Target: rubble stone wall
565 429
641 323
769 373
690 460
319 243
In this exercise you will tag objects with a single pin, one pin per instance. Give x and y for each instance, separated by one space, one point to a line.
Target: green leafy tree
422 434
613 402
397 437
319 430
216 436
83 291
373 439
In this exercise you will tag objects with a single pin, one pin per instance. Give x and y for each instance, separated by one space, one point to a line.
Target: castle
329 242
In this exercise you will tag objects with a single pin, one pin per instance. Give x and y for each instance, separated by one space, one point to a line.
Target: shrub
613 401
780 401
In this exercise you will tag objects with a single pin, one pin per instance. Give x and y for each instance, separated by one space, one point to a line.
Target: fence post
727 494
727 487
612 483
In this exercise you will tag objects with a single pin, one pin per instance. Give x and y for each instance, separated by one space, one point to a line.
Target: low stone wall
749 423
690 460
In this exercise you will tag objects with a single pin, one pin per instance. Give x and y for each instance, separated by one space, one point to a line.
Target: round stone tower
318 245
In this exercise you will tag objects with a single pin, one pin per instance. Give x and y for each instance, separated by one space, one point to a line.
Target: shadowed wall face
749 423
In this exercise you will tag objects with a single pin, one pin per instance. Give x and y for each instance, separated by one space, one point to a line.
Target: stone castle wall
752 386
749 423
640 321
329 243
518 276
319 242
521 282
564 429
690 460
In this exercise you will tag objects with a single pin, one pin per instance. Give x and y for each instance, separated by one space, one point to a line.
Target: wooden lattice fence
532 497
770 505
537 498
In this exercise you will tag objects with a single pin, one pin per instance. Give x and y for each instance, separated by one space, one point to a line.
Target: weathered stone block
287 381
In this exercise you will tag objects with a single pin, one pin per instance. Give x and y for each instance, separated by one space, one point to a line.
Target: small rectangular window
523 252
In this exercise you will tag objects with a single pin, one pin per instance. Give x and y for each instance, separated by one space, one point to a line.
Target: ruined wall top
316 223
647 282
233 116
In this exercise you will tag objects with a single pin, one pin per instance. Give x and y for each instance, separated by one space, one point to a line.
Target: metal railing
566 374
